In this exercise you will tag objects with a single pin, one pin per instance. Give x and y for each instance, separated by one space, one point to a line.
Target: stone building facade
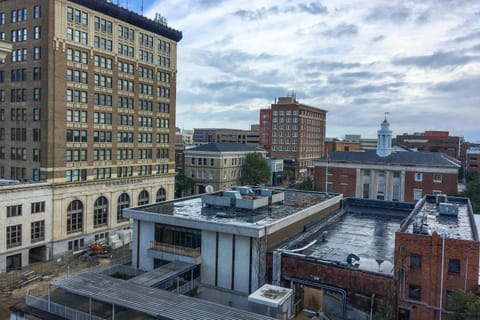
218 165
87 113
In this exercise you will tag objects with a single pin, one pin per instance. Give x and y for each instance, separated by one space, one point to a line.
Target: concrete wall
209 251
147 234
233 254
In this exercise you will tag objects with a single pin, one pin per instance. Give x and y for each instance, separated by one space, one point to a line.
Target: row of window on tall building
20 15
75 135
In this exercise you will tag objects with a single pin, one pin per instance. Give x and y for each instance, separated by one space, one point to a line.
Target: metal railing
58 309
187 287
178 250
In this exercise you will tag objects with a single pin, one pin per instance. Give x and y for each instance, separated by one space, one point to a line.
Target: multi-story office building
217 166
433 141
215 135
472 160
297 134
87 109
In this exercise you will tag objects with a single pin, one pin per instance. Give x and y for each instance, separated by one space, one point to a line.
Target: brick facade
433 141
348 179
430 184
341 180
359 285
427 276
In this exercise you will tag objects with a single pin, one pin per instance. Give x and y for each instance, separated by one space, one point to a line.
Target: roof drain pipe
277 261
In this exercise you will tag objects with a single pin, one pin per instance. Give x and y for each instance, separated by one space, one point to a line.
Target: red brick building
472 161
387 175
265 132
433 141
396 260
295 132
431 265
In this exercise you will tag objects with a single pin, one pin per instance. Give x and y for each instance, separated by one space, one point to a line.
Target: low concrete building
229 244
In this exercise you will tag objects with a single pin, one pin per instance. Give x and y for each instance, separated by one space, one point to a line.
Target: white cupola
384 139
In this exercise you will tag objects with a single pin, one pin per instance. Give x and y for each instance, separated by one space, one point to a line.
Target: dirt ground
14 285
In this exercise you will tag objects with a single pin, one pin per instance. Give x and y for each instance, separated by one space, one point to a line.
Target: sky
417 60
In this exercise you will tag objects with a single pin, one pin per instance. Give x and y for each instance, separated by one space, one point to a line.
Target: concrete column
388 185
402 186
373 184
359 183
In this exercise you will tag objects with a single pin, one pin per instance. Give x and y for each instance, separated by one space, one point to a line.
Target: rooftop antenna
142 8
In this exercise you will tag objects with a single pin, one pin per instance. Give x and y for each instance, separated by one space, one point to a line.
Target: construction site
35 277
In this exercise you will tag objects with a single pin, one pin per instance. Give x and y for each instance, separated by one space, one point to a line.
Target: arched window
161 195
75 216
100 212
123 202
143 198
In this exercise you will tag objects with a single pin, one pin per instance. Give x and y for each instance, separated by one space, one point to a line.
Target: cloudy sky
418 60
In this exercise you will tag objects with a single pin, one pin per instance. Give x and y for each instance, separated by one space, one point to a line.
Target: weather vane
386 115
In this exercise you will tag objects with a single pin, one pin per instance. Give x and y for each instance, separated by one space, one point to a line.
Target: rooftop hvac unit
448 209
441 198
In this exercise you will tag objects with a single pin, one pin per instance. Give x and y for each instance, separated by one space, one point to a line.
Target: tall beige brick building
87 123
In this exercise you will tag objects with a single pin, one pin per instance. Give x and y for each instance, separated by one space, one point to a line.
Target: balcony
170 252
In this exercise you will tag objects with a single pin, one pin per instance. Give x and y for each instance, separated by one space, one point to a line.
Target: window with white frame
437 178
417 194
418 176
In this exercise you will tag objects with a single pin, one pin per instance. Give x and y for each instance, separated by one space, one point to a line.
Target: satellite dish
209 189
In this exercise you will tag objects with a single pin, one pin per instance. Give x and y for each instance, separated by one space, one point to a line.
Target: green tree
183 185
471 175
305 185
255 169
465 306
472 191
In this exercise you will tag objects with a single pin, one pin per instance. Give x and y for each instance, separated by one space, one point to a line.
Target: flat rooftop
367 232
191 209
461 227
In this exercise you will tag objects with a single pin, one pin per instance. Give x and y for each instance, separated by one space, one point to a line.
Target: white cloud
355 59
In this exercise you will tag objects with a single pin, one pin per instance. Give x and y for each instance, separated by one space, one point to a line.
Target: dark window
14 262
143 198
14 211
100 212
75 216
38 231
403 314
454 265
415 292
161 195
415 261
449 299
14 236
38 207
123 202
